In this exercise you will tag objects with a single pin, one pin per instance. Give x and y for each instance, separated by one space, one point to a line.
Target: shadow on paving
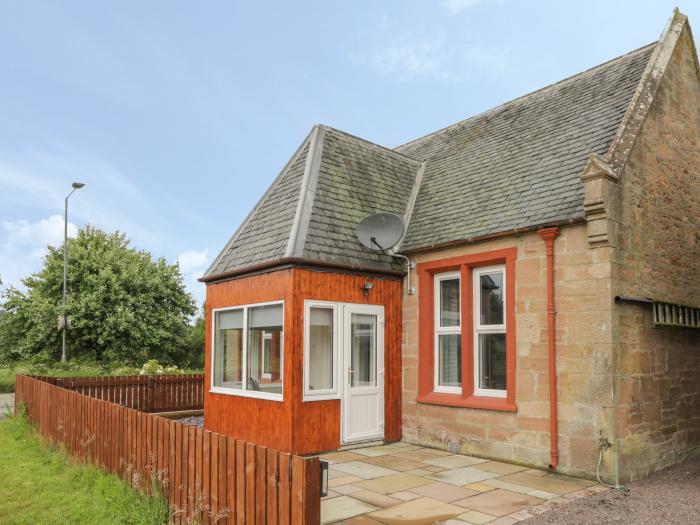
668 497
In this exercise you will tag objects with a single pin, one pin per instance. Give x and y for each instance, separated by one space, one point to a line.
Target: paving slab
476 517
411 485
549 483
375 498
454 461
343 507
444 492
418 511
500 502
341 457
405 495
500 468
394 483
462 476
394 463
362 469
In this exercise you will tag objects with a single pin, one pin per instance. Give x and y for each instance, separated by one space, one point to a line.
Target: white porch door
363 378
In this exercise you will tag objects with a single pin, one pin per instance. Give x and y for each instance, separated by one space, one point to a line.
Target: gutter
489 236
290 261
548 235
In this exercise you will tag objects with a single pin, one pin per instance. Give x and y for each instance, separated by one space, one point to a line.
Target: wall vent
666 314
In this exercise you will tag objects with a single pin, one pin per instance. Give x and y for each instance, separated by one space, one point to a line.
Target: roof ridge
531 93
408 212
370 143
307 193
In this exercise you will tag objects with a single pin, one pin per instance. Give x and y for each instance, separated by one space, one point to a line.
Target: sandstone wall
584 361
658 256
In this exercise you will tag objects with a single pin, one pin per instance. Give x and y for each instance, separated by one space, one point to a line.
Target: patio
402 483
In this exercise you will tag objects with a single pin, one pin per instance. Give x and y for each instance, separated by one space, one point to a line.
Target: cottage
554 253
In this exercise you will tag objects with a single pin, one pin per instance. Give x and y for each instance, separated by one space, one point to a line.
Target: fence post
149 393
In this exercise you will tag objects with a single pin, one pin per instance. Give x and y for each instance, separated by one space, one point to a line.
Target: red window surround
426 354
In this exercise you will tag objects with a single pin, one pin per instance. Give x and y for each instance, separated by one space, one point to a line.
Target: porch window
448 333
320 350
228 348
259 329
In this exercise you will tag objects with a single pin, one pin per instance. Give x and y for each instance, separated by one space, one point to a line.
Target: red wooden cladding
160 393
293 425
208 476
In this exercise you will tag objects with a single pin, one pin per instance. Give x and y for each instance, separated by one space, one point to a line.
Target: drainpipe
548 235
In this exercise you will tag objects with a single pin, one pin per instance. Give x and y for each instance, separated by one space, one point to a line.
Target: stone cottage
553 313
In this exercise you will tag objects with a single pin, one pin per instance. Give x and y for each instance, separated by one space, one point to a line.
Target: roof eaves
307 193
262 200
648 85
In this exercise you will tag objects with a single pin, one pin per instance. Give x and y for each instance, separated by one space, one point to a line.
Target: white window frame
328 393
444 330
243 391
486 329
265 357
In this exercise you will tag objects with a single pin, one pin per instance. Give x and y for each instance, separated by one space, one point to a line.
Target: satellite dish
381 231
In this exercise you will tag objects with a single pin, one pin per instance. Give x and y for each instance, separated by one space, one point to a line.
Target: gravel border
197 421
668 497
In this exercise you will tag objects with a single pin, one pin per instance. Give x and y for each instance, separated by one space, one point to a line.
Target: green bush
84 369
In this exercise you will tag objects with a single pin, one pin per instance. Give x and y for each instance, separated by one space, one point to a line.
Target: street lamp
76 186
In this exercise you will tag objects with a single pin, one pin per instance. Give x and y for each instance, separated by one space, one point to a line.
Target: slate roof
341 179
515 166
519 164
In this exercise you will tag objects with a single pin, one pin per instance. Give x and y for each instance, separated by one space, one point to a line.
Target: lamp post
76 186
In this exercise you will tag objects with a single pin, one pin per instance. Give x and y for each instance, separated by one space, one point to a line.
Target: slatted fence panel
209 478
156 393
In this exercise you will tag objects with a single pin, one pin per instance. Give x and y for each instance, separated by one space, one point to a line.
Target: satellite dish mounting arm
409 290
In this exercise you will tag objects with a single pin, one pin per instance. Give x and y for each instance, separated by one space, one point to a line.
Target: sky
177 115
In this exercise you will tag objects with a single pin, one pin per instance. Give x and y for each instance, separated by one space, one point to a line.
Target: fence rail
210 477
147 393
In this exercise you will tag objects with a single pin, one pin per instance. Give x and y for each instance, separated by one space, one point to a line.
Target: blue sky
177 115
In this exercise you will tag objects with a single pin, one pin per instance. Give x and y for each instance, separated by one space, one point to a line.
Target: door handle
350 373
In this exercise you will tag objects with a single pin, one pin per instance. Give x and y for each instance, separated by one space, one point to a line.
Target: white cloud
457 6
35 236
410 57
193 261
23 244
434 58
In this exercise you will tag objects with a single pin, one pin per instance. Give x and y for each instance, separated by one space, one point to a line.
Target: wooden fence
208 476
147 393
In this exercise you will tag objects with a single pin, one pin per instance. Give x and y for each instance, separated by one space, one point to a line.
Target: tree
125 306
195 340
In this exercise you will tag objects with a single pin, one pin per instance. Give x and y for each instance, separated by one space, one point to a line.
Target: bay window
249 338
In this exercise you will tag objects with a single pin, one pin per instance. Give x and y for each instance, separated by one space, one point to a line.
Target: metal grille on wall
666 314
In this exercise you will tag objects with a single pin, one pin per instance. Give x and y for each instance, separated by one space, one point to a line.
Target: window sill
247 393
481 402
320 397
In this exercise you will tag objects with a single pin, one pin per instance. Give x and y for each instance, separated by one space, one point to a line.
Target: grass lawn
40 485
